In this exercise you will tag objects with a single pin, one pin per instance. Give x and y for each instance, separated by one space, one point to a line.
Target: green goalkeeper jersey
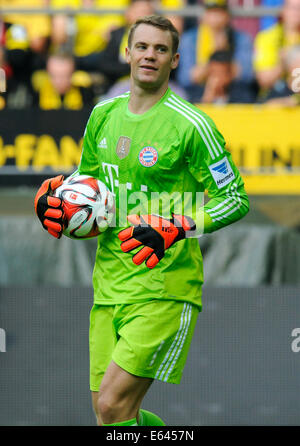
172 150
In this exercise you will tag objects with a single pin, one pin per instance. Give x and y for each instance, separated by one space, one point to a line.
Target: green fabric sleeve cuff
132 422
204 224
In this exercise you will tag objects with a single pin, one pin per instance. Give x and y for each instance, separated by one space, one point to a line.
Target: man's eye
162 50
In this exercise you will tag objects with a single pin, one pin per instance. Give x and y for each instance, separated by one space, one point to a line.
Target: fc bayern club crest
148 156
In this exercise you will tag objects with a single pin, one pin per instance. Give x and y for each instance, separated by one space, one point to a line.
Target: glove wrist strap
186 223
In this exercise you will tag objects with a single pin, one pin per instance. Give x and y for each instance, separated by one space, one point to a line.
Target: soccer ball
88 206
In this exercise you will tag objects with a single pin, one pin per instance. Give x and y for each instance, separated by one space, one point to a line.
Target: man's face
150 56
216 18
137 10
291 13
60 72
221 72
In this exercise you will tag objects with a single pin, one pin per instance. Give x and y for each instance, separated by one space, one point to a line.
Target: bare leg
120 395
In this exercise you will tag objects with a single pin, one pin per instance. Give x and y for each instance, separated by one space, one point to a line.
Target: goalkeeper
148 271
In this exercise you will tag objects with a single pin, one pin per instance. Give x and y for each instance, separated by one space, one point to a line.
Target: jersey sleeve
212 166
89 162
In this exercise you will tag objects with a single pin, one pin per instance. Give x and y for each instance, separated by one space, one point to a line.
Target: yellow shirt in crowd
48 97
92 31
26 27
268 45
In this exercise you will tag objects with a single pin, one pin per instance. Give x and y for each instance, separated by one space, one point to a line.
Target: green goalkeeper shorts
149 339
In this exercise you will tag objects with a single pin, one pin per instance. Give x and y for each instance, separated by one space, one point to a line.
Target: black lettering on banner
35 144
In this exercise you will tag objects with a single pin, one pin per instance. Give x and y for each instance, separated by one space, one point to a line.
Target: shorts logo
148 156
222 172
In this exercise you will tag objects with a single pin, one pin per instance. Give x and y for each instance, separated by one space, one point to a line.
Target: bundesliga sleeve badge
148 156
222 172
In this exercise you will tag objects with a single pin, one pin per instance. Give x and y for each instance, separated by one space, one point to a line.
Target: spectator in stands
111 62
190 21
271 45
287 92
60 86
177 20
2 67
89 34
85 34
246 24
25 40
213 33
220 86
26 30
267 21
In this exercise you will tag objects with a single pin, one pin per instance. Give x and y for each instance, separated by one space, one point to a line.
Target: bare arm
267 78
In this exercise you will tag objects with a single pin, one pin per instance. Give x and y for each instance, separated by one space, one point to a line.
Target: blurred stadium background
244 364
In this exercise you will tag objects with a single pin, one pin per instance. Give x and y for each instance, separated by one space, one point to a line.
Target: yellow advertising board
265 145
264 142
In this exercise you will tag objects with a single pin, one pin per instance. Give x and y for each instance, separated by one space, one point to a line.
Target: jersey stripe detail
176 344
156 353
224 209
199 119
228 213
180 346
172 345
204 122
234 191
219 205
101 104
107 101
195 124
233 195
208 140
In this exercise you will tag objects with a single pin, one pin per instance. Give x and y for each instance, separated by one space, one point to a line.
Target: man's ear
175 61
127 55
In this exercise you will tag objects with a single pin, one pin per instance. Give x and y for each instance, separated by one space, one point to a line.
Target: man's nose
150 53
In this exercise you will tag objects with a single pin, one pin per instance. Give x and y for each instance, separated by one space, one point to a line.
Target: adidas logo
102 144
221 168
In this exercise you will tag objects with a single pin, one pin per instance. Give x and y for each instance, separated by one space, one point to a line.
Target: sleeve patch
222 172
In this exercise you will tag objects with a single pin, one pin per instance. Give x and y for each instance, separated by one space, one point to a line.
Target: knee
95 397
108 409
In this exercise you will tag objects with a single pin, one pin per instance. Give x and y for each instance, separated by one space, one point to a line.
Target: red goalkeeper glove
156 234
48 208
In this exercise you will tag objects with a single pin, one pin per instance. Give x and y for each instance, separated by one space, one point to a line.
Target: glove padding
48 208
156 233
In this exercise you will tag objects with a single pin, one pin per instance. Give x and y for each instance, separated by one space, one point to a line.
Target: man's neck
291 30
142 100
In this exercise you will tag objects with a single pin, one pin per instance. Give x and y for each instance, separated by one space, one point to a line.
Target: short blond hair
158 22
